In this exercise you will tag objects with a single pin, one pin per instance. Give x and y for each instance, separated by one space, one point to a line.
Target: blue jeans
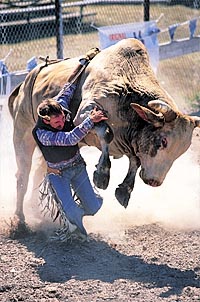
76 177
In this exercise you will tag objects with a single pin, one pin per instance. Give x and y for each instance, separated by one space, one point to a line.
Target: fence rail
15 21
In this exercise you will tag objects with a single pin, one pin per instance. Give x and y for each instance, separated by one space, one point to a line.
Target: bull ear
164 108
157 119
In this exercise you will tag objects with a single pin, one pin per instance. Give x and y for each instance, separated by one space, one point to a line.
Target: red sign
117 36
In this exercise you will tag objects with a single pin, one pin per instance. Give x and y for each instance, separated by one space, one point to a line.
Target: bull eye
164 142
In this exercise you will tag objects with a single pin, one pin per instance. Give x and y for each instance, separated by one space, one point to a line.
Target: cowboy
58 139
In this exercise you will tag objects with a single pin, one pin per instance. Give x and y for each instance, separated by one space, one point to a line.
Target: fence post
146 10
59 28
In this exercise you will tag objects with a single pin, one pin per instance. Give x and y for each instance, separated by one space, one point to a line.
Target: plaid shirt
60 138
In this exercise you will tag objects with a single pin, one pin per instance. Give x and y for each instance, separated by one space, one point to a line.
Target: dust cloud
175 204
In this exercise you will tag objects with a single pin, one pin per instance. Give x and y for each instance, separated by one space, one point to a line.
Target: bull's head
166 135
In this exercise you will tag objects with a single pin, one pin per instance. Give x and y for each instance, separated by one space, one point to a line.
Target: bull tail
12 98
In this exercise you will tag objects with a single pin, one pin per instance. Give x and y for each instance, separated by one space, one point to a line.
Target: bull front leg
101 176
123 192
105 135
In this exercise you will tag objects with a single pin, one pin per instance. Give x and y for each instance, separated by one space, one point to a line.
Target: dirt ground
145 263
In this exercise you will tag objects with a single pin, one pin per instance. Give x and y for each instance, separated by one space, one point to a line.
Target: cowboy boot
75 215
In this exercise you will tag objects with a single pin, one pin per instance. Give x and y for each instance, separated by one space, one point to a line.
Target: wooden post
146 10
59 28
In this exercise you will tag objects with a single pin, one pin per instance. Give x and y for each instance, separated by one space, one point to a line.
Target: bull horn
164 108
196 120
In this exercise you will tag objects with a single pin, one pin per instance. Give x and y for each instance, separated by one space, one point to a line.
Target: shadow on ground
97 260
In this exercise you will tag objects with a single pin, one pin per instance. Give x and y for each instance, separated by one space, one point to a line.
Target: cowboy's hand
92 53
97 115
89 56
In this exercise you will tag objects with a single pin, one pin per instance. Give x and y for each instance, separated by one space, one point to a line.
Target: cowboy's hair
48 108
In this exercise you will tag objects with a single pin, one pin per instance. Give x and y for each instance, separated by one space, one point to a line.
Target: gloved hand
89 55
92 53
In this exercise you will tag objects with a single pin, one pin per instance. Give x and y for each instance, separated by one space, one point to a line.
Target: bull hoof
123 196
20 217
101 180
18 228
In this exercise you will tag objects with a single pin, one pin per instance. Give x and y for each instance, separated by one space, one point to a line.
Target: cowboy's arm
60 138
66 95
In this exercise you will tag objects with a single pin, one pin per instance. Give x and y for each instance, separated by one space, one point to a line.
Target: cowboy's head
52 113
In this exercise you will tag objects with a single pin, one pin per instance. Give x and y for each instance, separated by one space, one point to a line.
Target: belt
69 165
53 171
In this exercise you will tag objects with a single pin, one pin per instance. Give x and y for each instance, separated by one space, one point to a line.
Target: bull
144 122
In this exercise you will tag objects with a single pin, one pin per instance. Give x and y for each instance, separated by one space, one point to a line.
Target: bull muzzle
149 181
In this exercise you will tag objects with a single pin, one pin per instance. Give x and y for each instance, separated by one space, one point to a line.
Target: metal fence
28 31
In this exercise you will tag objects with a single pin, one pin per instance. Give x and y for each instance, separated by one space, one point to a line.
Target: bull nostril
141 173
153 183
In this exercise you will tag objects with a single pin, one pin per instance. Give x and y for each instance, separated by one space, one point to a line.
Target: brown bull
144 122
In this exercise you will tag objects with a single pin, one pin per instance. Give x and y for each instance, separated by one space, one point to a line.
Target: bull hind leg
101 175
24 146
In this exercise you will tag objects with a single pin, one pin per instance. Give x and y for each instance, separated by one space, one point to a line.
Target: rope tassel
51 205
